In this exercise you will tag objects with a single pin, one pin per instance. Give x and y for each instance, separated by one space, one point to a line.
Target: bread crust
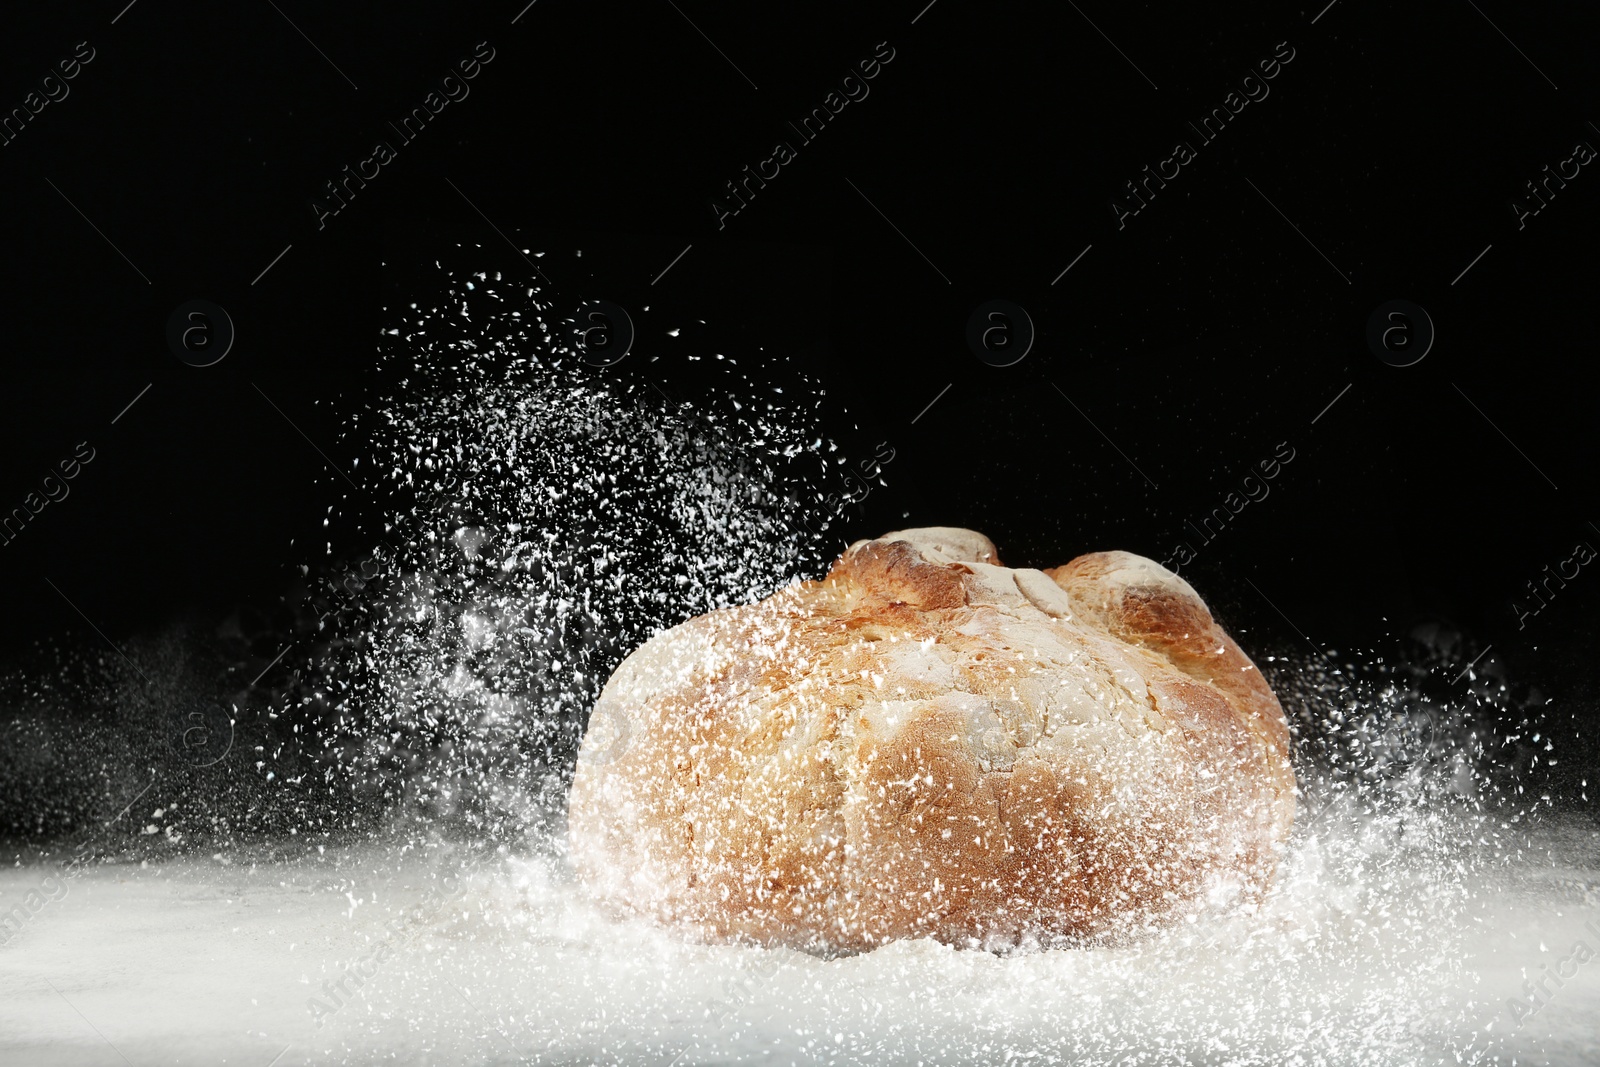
928 743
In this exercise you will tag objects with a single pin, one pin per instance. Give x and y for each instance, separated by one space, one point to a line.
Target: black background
984 161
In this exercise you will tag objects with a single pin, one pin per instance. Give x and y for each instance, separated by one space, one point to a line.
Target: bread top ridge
1123 595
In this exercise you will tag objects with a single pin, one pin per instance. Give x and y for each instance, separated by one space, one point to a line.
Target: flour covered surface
927 743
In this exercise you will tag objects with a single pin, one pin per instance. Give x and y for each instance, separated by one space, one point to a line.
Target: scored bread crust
928 743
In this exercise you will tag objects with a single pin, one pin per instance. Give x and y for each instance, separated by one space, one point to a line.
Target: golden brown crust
926 743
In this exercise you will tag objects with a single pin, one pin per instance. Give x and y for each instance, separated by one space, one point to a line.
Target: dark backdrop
1188 341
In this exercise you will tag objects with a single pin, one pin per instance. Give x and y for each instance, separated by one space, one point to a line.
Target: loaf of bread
929 744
